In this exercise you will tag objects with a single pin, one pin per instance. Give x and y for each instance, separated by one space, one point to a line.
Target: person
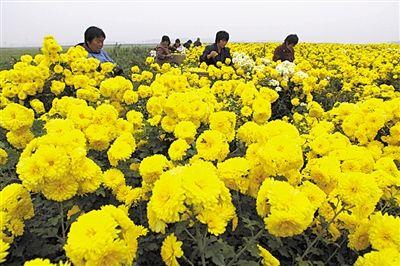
197 42
177 46
218 50
94 40
163 52
93 43
187 44
285 51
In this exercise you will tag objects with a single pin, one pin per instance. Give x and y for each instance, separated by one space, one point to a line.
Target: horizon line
206 42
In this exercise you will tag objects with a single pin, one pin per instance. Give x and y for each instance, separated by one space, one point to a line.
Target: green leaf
38 128
253 250
249 224
180 227
152 246
219 251
218 259
100 192
247 263
274 243
54 220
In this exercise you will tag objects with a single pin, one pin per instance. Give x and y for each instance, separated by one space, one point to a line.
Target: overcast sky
25 23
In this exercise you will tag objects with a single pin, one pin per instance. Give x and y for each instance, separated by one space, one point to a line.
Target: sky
25 23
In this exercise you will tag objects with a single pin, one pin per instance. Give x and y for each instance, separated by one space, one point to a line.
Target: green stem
62 222
383 209
201 245
320 235
336 250
187 260
190 234
237 255
239 203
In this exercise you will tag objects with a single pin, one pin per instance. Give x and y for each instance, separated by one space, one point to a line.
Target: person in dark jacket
197 42
285 51
163 51
217 51
187 44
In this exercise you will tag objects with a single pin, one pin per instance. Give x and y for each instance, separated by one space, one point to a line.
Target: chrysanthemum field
252 162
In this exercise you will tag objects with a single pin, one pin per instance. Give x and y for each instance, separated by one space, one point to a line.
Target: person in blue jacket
94 40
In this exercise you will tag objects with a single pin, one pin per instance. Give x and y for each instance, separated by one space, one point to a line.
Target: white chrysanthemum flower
286 68
153 53
273 83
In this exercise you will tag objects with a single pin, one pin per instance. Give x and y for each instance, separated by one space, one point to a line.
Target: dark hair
165 38
177 41
292 39
92 33
221 35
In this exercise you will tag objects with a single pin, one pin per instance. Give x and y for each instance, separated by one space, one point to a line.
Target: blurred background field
126 55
